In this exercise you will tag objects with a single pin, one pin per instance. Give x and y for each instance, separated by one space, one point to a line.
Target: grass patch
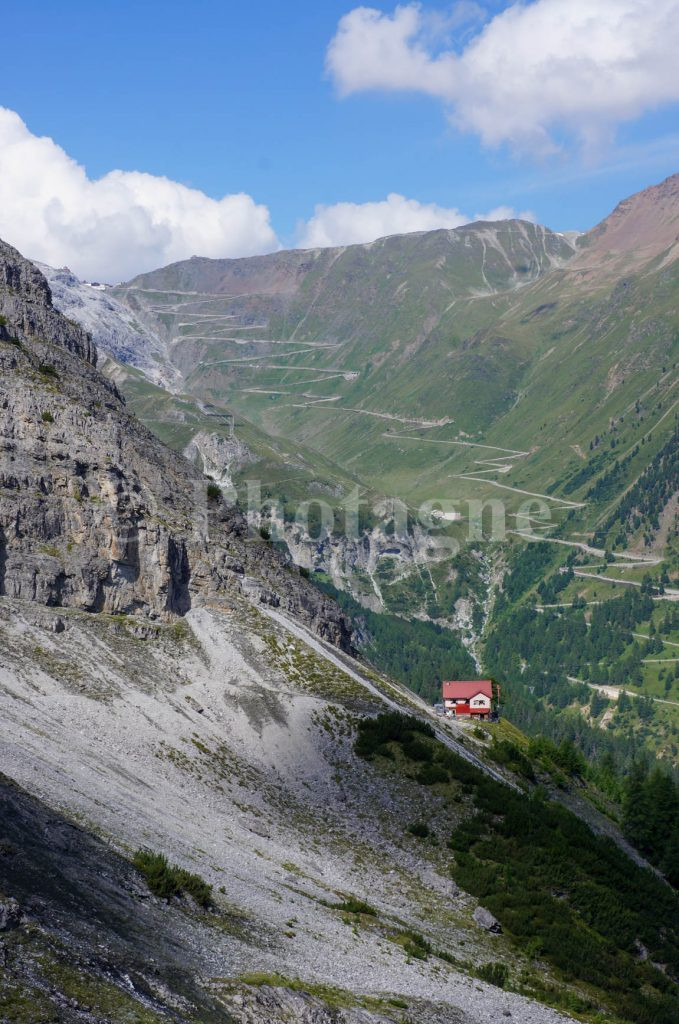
97 994
351 905
50 549
20 1005
336 998
14 342
414 944
167 880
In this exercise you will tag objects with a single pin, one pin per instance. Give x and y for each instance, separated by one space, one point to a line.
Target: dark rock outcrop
485 920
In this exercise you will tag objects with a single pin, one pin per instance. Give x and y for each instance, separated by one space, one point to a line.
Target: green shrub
466 834
417 750
214 491
415 945
391 727
494 974
47 370
561 892
415 951
47 417
351 905
419 829
166 880
430 774
508 754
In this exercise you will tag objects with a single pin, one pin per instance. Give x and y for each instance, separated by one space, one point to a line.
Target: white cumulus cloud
119 225
533 72
348 223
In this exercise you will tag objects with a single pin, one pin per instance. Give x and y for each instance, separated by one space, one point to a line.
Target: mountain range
495 334
225 794
517 352
495 361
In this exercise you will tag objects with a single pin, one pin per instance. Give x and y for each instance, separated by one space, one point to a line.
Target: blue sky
235 97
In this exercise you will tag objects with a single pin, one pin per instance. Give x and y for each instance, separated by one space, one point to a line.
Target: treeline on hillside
644 503
612 481
617 765
527 565
562 894
532 654
581 475
570 898
552 645
651 817
419 654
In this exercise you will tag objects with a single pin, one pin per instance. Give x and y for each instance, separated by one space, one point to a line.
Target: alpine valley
252 513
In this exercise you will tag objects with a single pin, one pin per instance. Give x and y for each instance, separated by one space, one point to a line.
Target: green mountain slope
229 448
495 361
395 358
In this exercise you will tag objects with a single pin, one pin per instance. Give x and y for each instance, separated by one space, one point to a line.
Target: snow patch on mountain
115 329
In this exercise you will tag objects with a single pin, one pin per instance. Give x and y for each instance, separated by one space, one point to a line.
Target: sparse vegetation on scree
562 893
167 880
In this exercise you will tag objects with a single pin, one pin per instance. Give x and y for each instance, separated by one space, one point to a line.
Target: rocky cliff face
219 457
26 309
95 512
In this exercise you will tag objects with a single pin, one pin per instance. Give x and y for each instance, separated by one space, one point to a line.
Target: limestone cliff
26 309
95 512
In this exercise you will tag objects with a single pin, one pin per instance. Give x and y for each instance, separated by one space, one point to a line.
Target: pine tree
661 810
635 824
669 864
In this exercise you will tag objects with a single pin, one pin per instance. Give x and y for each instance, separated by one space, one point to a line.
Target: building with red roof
468 697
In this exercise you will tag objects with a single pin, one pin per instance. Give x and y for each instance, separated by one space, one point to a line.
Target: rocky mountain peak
95 512
26 305
640 227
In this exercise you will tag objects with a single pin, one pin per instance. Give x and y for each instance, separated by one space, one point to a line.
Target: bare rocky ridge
95 512
26 309
642 227
219 457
